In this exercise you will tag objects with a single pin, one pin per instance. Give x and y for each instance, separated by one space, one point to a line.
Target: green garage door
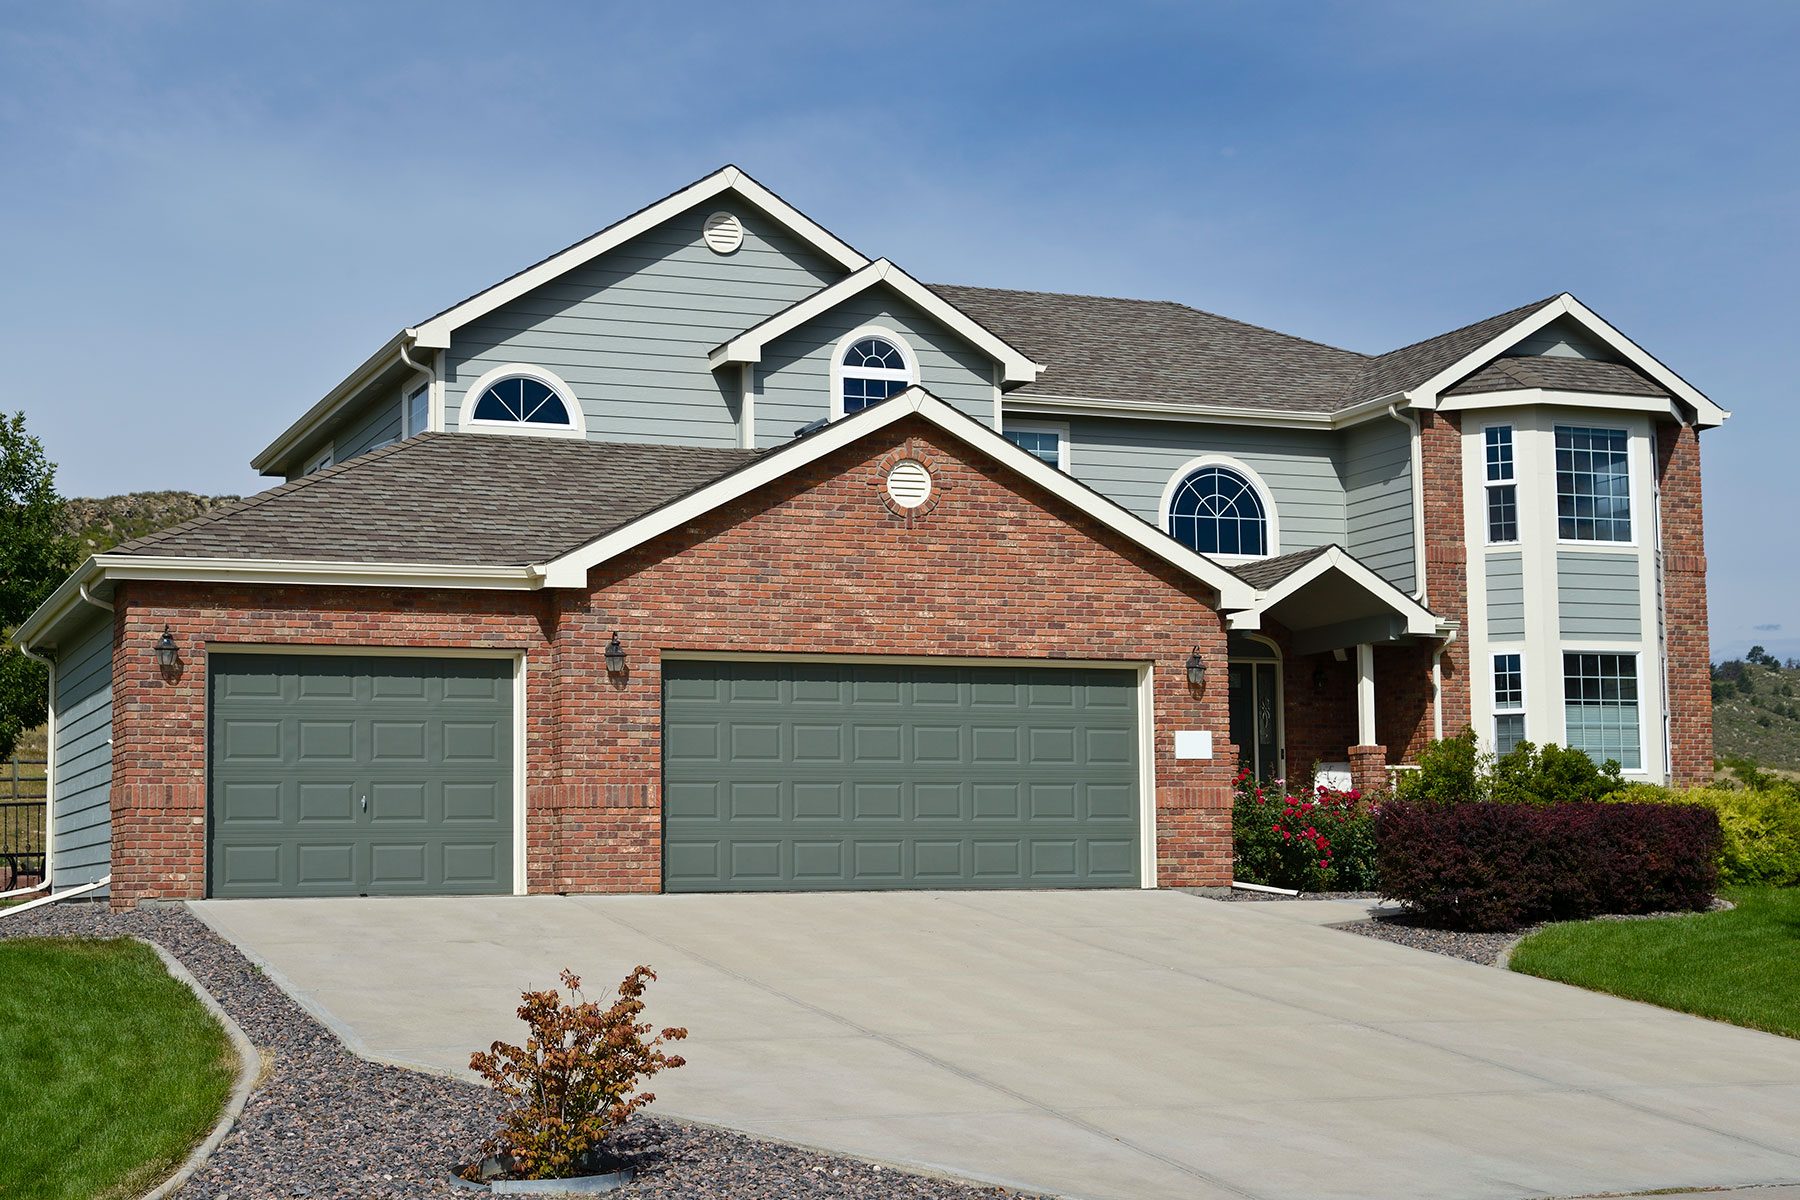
351 776
826 776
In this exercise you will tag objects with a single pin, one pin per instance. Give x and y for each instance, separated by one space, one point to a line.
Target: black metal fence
21 821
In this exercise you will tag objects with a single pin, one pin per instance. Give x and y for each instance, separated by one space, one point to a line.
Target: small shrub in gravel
575 1080
1489 866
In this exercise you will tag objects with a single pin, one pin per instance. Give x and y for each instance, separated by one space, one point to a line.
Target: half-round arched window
524 399
871 366
1217 510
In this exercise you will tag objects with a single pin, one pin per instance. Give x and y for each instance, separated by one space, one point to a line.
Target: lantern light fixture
1196 669
615 657
167 656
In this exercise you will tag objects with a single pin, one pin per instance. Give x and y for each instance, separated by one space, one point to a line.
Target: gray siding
83 755
376 425
1132 462
1563 338
1378 507
1597 595
794 378
629 332
1506 596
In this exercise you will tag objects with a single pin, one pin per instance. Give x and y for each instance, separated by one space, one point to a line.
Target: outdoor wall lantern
167 657
1196 669
615 657
1319 677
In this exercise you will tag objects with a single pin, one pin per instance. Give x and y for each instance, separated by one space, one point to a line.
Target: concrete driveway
1103 1044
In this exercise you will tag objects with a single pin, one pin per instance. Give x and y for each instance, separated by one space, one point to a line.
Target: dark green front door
371 775
789 776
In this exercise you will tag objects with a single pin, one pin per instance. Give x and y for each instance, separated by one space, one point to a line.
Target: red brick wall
1446 562
1684 603
815 563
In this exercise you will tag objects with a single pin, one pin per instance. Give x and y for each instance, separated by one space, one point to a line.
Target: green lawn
112 1070
1741 966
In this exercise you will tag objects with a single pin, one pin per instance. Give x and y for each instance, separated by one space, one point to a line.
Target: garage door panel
880 776
344 775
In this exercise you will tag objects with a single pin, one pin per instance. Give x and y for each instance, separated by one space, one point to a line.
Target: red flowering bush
571 1084
1316 841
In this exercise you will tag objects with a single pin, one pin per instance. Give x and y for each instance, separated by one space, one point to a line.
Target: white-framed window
1219 506
867 366
415 410
1593 484
1502 486
1043 440
321 460
521 398
1509 700
1601 713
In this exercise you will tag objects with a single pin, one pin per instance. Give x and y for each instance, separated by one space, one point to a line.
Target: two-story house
711 554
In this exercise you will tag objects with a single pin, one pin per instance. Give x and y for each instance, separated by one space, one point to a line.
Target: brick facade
1684 603
815 563
1446 567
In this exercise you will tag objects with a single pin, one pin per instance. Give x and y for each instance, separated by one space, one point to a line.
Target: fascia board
309 422
435 333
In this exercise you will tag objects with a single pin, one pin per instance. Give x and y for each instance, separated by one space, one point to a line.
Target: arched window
872 365
1217 510
524 399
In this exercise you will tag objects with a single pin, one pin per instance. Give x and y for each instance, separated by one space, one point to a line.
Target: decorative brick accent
815 563
1446 564
1368 768
1684 603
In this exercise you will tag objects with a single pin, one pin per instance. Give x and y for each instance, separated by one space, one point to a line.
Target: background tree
35 556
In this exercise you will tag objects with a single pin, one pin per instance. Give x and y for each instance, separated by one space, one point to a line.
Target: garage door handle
365 803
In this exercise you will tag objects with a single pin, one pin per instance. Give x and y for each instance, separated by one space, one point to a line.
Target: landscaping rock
327 1124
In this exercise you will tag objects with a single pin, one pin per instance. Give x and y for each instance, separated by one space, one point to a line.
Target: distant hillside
1756 710
103 523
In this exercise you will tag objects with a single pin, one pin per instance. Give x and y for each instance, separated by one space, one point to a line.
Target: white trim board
748 346
1420 621
571 570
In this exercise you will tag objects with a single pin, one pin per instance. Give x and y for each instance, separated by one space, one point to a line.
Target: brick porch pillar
1368 768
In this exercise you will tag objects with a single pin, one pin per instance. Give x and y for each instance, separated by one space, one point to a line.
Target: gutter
270 456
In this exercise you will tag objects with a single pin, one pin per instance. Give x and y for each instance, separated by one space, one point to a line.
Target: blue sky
212 212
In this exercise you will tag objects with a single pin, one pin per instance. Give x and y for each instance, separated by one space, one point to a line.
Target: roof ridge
283 489
1536 304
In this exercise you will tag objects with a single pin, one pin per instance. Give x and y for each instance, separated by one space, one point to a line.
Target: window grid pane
1499 453
1216 511
1600 704
860 393
1509 731
1503 512
1039 443
1509 682
1593 484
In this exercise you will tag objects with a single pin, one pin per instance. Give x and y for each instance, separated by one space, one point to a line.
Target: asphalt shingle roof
1559 374
443 497
1265 573
1157 351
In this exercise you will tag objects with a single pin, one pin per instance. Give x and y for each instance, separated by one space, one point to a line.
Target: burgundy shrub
1499 866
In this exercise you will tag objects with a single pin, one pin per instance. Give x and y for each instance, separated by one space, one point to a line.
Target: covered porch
1335 675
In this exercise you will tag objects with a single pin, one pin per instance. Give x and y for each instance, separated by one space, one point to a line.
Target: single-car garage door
347 776
782 776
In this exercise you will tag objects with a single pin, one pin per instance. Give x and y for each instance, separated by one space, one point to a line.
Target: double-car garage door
782 776
362 775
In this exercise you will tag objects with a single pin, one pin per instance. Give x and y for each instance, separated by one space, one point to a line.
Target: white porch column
1365 694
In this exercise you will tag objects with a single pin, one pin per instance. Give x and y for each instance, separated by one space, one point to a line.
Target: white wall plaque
1193 743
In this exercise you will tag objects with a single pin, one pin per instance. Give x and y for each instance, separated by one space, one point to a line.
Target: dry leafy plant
575 1080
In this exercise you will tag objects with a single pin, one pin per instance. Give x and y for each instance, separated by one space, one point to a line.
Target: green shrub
1551 774
1451 770
1761 827
1320 842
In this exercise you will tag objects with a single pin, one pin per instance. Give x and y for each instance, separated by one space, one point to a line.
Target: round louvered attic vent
909 483
723 232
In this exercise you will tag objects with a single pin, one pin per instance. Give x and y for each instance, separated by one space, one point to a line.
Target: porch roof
1329 600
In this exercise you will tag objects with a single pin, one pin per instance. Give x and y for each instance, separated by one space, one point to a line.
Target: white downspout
91 600
1414 440
430 384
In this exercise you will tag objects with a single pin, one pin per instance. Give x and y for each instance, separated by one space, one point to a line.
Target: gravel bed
326 1123
1238 894
1483 948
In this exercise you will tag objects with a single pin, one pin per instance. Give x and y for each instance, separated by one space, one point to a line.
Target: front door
1255 718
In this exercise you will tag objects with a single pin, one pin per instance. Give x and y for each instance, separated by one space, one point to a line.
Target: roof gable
747 347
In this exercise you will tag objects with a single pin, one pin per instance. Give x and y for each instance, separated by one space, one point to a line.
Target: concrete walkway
1102 1045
